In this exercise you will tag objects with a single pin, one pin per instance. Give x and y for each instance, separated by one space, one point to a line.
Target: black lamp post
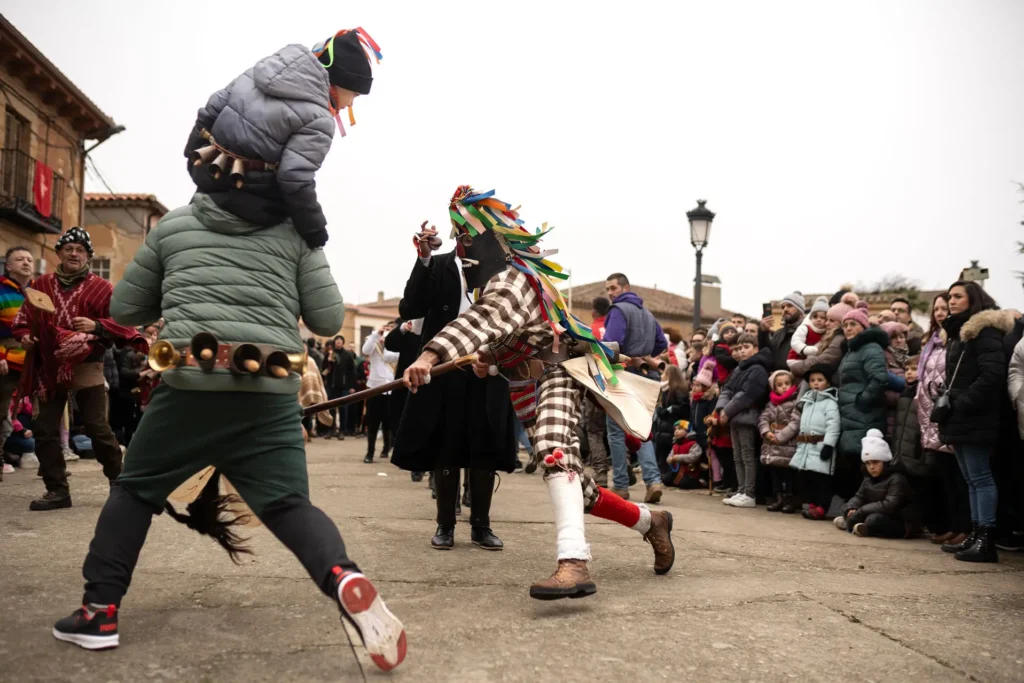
700 231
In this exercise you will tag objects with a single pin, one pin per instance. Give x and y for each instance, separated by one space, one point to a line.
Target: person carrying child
778 430
883 505
804 343
816 442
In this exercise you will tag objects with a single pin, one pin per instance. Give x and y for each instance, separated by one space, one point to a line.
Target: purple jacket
615 327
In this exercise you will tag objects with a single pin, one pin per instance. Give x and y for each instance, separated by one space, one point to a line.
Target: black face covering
488 254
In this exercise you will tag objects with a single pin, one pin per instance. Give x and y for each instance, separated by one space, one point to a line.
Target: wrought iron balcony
17 201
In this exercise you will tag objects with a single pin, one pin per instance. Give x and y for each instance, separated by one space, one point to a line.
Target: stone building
118 225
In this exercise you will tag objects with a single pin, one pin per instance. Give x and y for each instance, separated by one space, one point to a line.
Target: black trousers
816 488
885 526
377 417
955 494
782 480
481 490
124 522
725 461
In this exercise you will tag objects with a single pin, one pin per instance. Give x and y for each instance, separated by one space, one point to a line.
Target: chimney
380 297
710 300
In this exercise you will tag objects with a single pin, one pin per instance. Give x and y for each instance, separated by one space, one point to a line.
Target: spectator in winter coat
882 505
976 378
703 396
779 341
863 380
900 307
738 408
830 346
816 443
778 430
685 467
673 405
21 442
955 522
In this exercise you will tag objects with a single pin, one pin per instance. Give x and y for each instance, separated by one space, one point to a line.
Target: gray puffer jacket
278 112
206 270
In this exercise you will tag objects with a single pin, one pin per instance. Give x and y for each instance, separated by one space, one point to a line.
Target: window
16 131
101 267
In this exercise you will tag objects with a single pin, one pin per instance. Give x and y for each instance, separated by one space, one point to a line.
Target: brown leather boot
660 538
570 580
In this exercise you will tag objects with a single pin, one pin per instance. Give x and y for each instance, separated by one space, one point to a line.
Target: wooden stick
437 371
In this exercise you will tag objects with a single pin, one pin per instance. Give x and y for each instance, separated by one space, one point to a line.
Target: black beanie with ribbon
346 58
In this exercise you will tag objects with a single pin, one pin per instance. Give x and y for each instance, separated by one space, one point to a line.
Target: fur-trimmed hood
1003 321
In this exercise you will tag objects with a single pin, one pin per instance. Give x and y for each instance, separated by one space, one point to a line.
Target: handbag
943 407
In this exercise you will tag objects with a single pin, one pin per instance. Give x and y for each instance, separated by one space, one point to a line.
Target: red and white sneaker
382 633
93 627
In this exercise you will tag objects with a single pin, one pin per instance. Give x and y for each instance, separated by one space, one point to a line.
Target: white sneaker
8 468
742 500
726 499
382 633
840 522
70 456
29 461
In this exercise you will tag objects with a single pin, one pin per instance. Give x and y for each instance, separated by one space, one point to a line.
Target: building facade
118 225
45 124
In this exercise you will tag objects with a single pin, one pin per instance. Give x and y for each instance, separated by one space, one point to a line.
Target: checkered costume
508 306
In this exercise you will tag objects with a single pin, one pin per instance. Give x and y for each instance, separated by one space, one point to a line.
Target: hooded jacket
204 269
863 379
977 389
781 418
278 112
887 494
746 391
819 416
642 337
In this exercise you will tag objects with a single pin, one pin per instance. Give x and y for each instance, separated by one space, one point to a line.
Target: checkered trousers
559 400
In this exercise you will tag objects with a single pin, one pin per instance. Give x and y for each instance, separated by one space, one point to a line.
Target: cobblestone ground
753 596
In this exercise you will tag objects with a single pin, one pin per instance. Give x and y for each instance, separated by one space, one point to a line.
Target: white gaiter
567 501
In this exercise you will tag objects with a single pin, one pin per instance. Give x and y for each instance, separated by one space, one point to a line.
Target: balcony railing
17 201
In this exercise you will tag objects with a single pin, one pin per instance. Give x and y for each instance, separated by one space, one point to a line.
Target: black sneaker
384 455
519 465
368 459
51 501
91 630
382 633
417 477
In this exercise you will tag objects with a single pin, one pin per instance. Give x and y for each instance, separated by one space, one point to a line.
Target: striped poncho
12 296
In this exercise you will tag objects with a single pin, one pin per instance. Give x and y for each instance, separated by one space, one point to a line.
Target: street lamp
700 232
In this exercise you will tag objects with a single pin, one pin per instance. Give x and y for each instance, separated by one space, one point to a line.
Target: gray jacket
278 112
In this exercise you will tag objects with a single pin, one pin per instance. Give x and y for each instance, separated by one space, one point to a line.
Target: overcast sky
837 142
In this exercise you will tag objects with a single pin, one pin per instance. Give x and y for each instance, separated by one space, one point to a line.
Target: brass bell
163 356
298 361
203 155
238 173
220 165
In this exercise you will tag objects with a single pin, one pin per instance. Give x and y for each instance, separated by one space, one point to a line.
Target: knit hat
838 312
75 235
796 299
820 304
723 327
771 378
862 305
874 447
822 369
685 424
346 56
894 328
859 315
850 299
706 375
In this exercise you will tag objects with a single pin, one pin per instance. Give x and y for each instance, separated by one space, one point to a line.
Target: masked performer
231 292
520 322
459 421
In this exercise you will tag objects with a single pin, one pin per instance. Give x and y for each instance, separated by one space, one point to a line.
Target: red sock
614 507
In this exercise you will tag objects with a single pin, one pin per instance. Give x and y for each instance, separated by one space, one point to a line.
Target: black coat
672 406
977 391
907 454
888 494
407 346
342 374
458 420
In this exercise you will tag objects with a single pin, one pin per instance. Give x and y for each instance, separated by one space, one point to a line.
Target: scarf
900 355
67 281
779 399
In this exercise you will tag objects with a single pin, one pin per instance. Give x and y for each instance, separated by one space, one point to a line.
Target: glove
826 453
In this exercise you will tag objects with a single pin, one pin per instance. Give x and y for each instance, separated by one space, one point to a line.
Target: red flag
42 189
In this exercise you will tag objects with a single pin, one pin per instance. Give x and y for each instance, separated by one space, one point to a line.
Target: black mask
488 254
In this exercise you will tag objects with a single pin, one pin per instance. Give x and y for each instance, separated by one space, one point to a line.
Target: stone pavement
753 596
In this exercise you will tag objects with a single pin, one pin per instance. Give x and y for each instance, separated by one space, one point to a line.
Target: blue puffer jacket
278 112
819 416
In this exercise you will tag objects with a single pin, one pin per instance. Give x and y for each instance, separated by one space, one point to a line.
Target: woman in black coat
673 405
976 380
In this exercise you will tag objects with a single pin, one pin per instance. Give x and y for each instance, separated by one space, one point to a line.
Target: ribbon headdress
473 213
341 74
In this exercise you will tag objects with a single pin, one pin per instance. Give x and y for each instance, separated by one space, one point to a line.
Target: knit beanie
838 312
893 328
774 375
874 447
860 315
850 299
797 299
706 375
346 58
862 305
820 304
724 327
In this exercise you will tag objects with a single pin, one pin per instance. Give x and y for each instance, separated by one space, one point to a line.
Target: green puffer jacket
206 270
863 379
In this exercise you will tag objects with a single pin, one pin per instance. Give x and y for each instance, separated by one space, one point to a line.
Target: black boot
983 549
485 538
417 477
777 505
788 508
482 486
444 539
51 501
368 459
968 542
